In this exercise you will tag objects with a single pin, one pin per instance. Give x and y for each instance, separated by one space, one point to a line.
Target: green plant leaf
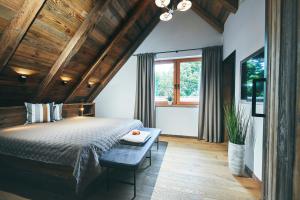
236 123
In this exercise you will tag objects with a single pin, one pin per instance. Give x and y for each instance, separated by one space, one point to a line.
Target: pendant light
184 5
162 3
166 16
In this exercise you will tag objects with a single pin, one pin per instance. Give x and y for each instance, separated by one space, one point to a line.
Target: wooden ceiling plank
209 18
72 48
125 57
12 5
230 5
136 13
16 30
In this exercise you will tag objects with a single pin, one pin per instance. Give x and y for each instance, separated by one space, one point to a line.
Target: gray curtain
144 101
210 102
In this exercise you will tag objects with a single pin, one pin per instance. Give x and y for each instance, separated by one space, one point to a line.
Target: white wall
244 32
186 30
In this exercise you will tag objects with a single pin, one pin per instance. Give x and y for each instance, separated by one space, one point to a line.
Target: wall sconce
81 109
65 80
23 73
22 78
92 82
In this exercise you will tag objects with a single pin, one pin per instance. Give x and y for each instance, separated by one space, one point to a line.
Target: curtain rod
176 51
173 51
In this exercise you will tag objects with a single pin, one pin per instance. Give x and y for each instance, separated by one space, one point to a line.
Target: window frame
176 81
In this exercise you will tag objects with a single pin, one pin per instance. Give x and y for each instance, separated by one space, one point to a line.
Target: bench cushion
130 156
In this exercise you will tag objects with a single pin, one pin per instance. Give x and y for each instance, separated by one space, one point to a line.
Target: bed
71 147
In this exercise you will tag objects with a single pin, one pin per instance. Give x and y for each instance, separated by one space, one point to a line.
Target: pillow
39 113
57 112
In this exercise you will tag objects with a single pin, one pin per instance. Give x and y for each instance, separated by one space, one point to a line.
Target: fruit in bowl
136 132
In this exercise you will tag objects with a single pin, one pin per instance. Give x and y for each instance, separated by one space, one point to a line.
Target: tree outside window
177 79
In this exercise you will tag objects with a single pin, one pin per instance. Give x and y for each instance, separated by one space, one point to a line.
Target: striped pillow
38 113
57 112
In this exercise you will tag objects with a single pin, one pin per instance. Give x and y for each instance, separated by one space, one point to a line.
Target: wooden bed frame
12 116
14 165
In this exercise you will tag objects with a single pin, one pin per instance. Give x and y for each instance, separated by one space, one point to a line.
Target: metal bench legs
107 179
125 182
150 159
134 184
157 143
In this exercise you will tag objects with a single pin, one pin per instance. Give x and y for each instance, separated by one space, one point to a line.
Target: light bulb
162 3
184 5
166 16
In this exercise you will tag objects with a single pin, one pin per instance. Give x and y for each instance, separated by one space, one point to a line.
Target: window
177 80
164 80
252 67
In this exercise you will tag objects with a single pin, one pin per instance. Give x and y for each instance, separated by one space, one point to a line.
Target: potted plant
236 123
170 100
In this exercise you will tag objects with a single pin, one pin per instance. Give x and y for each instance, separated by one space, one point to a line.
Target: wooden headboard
16 115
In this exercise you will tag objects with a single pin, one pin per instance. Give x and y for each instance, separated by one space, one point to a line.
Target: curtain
144 101
210 102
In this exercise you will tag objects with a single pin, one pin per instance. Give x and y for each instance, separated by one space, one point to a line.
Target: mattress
76 142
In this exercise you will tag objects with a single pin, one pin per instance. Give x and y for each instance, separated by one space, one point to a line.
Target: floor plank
194 169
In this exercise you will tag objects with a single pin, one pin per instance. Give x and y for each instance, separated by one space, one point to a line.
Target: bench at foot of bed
129 157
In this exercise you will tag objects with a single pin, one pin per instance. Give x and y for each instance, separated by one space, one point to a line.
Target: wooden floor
192 169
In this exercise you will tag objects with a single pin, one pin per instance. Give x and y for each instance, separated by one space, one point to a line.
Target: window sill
179 106
250 102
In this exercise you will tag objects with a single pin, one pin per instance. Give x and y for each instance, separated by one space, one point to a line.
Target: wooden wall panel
296 182
122 59
16 115
134 31
280 136
14 32
12 116
219 9
91 50
51 31
114 48
208 17
98 36
8 10
12 5
72 47
42 45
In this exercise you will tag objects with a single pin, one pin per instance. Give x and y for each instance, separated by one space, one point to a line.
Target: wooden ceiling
84 41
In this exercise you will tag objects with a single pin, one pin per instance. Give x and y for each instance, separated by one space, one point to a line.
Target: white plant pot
236 155
170 103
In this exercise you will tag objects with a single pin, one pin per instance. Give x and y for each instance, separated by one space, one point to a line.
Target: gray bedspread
77 142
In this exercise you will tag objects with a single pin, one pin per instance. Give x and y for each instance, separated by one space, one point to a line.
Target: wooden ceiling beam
17 28
209 18
124 58
72 48
136 13
230 5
